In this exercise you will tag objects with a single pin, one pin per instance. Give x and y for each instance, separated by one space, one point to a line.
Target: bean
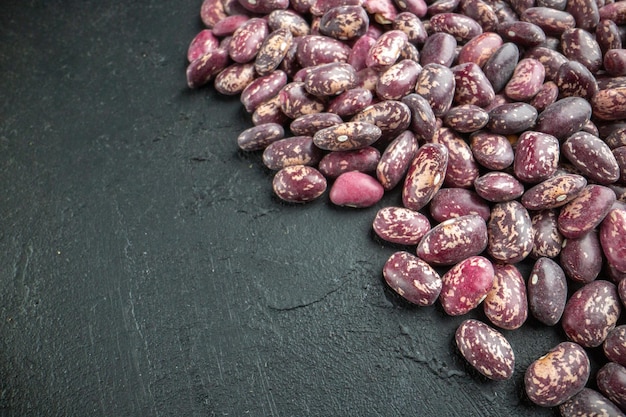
264 7
480 48
423 120
547 291
229 24
398 80
553 192
611 381
536 157
548 240
417 7
262 89
564 117
586 211
314 50
386 50
412 26
309 124
575 80
439 48
510 232
400 225
589 402
298 184
330 79
472 86
356 189
506 304
552 22
581 257
609 104
498 186
462 169
492 151
297 150
511 118
344 22
336 163
233 79
547 94
392 117
347 136
202 43
463 28
272 51
203 69
295 100
614 345
288 19
465 285
436 83
466 118
613 238
501 64
448 203
425 175
579 45
396 159
259 137
412 278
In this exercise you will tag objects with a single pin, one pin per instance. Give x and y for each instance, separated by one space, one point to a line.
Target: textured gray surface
147 270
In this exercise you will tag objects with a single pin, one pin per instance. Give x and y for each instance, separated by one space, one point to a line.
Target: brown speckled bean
462 168
344 22
579 45
296 101
465 285
613 238
346 136
586 211
386 50
575 80
313 50
436 83
466 118
480 48
330 79
554 192
536 157
547 240
203 69
259 137
297 150
410 24
491 150
608 36
262 89
510 232
547 94
400 225
272 51
336 163
611 381
412 278
581 257
547 291
558 375
592 157
396 159
288 19
423 120
309 124
247 40
269 111
498 186
425 175
298 184
506 304
398 80
526 80
486 349
463 28
589 402
610 104
471 85
391 116
552 22
233 79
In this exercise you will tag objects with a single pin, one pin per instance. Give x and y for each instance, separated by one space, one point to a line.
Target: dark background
147 270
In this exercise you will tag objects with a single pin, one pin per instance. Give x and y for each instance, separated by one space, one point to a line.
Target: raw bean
350 102
621 290
462 168
355 189
417 7
344 22
265 6
592 157
485 349
585 13
452 241
384 11
550 58
386 50
608 36
511 118
436 83
330 79
347 136
479 49
526 81
620 157
233 7
575 80
463 28
203 69
441 6
613 238
290 64
367 78
233 79
547 94
564 117
465 285
614 11
552 22
273 50
554 192
400 225
297 150
295 101
228 25
298 184
211 12
536 157
589 402
391 116
302 6
259 137
336 163
510 232
614 346
506 304
309 124
398 81
313 50
359 51
202 43
269 111
581 258
522 33
288 19
262 89
412 278
586 211
610 104
498 187
548 240
547 291
472 87
606 82
396 159
410 24
455 202
505 12
491 150
439 48
500 66
319 7
615 62
591 313
558 375
611 380
466 118
481 12
423 120
579 45
247 40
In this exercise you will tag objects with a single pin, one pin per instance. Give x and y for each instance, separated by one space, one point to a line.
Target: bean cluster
504 124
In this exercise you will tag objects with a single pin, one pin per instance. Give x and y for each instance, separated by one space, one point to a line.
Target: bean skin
412 278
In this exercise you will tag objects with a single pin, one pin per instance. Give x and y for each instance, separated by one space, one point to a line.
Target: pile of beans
503 122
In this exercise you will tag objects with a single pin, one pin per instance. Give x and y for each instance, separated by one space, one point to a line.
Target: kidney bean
579 45
547 240
412 278
480 48
396 159
547 94
472 86
265 6
233 79
211 12
319 7
272 51
613 11
346 136
463 28
614 345
575 80
536 156
564 117
330 79
526 80
336 163
425 175
359 51
522 33
262 89
558 375
462 169
549 58
501 64
386 50
611 381
259 137
439 48
552 22
229 25
481 12
309 124
466 118
288 19
269 112
553 192
297 150
423 120
295 101
486 349
592 157
355 189
384 11
615 62
313 50
202 43
510 232
344 22
436 83
412 26
506 304
581 257
608 36
498 187
400 225
613 238
398 80
547 291
441 6
511 118
610 104
350 102
491 150
417 7
200 71
585 13
448 203
298 184
586 211
465 285
391 116
589 402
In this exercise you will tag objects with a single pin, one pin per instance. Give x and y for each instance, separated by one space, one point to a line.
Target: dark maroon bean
614 11
262 89
425 175
480 48
290 64
575 80
466 118
203 69
591 313
606 82
298 184
367 78
302 6
296 101
330 79
498 186
336 163
309 124
547 291
615 62
500 66
350 102
202 43
439 48
614 346
506 304
554 192
423 120
526 80
491 150
592 157
288 19
585 13
391 116
259 137
313 50
589 402
358 53
346 136
547 240
611 381
448 203
436 83
386 50
396 159
412 278
247 40
536 157
297 150
579 45
265 6
486 349
581 257
384 11
319 7
465 285
564 117
481 12
552 22
558 375
463 28
610 104
547 94
522 33
472 87
620 156
511 118
410 24
510 232
550 58
417 7
344 22
586 211
211 12
355 189
400 225
398 80
462 168
608 36
613 238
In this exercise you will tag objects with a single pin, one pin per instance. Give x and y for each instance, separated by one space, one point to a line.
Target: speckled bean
536 157
336 163
439 48
614 345
526 80
423 120
296 150
463 28
547 240
265 6
592 157
247 40
344 22
257 138
398 80
410 24
613 238
608 35
579 45
462 168
203 69
330 79
500 66
313 50
425 175
554 192
262 89
586 211
465 285
386 50
466 118
346 136
547 291
511 118
309 124
581 257
203 42
400 225
480 48
296 101
610 104
436 83
510 232
552 22
498 186
412 278
506 304
471 85
396 159
233 79
448 203
589 402
391 116
288 19
547 94
298 184
272 51
491 150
